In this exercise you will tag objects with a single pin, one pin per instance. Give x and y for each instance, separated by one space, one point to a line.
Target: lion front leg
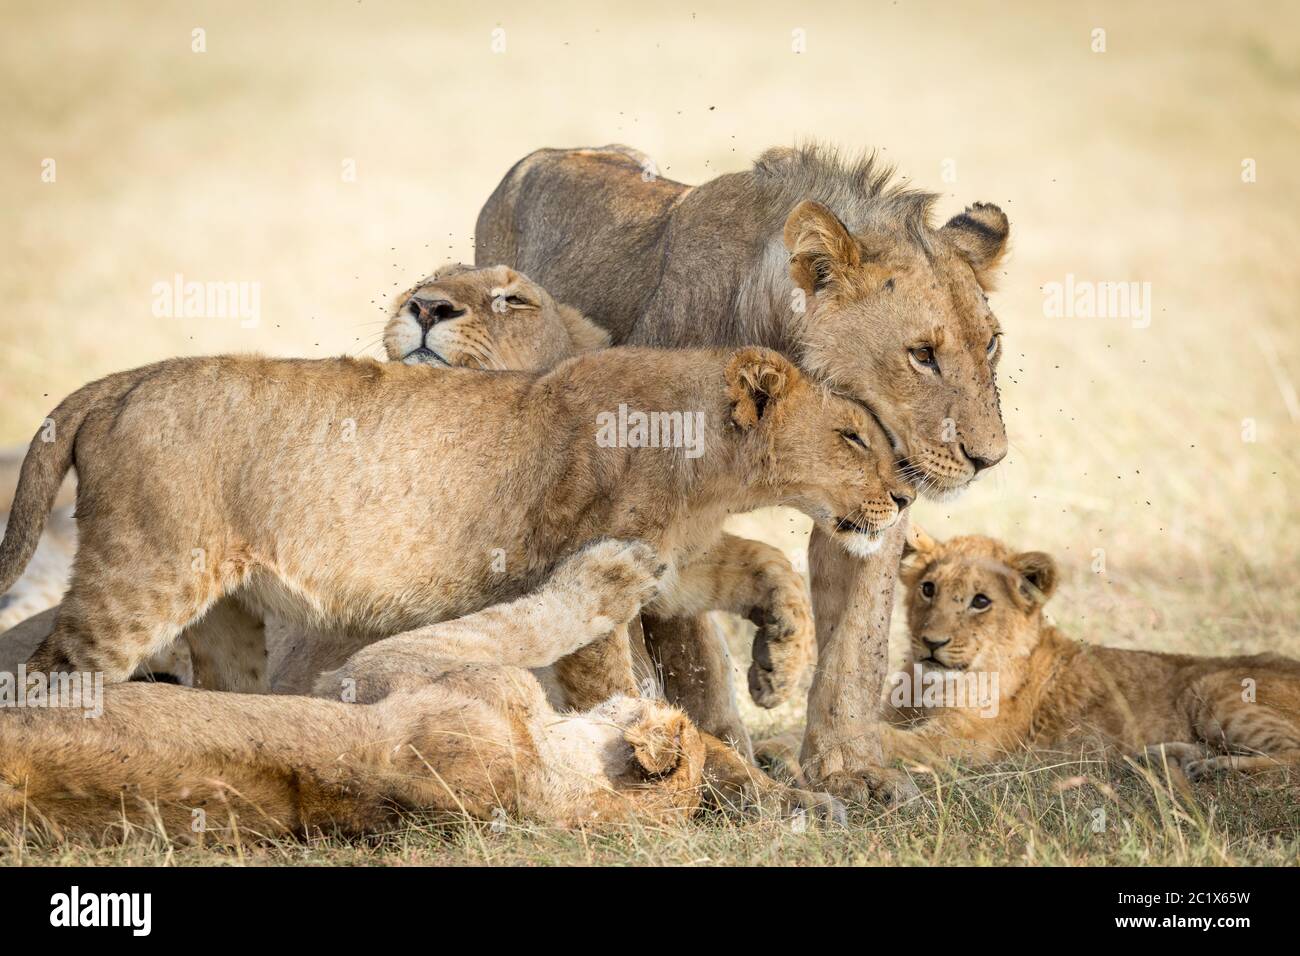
607 583
852 602
756 581
694 665
940 740
588 600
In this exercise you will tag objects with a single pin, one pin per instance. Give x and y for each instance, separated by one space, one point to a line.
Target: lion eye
854 438
925 357
517 301
980 601
927 589
993 345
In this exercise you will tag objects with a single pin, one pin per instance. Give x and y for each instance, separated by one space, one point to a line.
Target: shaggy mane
861 190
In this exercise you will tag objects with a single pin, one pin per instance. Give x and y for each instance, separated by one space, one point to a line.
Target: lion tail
48 459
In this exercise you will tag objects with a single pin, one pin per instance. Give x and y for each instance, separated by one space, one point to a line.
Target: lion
491 318
488 318
453 723
368 499
975 608
832 262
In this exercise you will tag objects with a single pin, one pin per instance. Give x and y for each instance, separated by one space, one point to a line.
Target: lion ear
919 550
1037 573
757 380
585 334
821 249
980 235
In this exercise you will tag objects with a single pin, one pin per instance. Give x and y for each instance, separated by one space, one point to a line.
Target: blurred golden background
1159 464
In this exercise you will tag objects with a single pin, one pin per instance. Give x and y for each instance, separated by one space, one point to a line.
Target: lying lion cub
461 727
372 499
975 608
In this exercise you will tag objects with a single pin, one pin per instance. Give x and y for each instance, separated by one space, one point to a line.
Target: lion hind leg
1251 736
583 607
1242 763
133 590
588 597
113 627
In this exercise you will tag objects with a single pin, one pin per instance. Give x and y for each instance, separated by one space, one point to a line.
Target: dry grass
1078 811
1121 166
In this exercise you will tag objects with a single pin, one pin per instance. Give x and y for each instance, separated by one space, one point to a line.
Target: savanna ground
1158 463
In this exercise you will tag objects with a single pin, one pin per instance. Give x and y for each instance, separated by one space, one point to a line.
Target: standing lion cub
491 319
975 608
373 499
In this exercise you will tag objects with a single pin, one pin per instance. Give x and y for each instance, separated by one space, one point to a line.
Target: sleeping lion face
972 603
493 318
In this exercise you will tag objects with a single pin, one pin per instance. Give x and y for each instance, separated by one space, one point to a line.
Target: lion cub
975 609
455 724
355 497
493 318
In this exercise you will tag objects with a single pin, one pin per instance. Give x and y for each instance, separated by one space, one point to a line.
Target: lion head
973 604
926 342
493 318
831 458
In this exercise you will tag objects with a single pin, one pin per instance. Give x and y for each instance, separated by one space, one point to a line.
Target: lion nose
901 499
982 463
429 312
934 645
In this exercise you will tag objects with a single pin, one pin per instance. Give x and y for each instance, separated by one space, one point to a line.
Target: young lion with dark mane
837 264
975 606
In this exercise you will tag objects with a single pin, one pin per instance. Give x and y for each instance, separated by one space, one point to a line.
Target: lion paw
612 578
781 649
1179 755
662 739
881 786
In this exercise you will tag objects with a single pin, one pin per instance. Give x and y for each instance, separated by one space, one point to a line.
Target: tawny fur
1202 713
829 260
718 265
349 496
491 318
452 723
